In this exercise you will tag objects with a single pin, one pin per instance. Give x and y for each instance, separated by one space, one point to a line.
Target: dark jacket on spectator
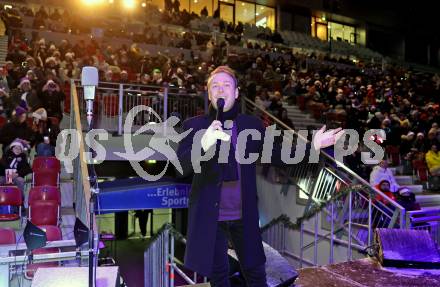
52 103
420 145
32 100
13 130
23 167
374 123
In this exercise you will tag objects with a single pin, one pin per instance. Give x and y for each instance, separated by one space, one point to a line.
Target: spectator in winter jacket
382 172
45 134
52 98
4 103
432 158
17 128
25 93
15 159
420 143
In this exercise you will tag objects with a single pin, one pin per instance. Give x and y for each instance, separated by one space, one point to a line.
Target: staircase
426 199
300 119
3 49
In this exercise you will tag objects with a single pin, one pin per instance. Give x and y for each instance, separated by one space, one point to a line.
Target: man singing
223 199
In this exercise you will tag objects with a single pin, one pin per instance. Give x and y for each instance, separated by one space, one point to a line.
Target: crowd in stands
198 29
35 85
368 96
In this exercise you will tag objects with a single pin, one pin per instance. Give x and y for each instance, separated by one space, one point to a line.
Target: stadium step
428 199
415 188
303 126
300 119
279 271
3 52
298 114
393 170
404 179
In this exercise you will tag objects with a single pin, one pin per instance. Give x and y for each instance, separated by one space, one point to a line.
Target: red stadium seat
46 163
420 169
53 233
44 212
393 153
44 193
67 97
10 196
49 178
7 236
301 101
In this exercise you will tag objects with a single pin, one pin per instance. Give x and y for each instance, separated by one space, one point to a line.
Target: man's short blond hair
223 69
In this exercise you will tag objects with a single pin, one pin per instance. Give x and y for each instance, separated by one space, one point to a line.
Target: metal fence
113 102
275 236
353 215
15 258
160 264
425 219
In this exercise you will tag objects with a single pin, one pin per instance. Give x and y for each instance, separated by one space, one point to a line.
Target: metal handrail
116 84
328 157
160 264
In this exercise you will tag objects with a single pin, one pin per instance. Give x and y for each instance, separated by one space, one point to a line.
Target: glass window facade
227 12
340 32
184 5
230 10
265 16
244 12
197 5
326 30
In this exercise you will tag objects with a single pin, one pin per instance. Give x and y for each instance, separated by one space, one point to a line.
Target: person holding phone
25 95
14 165
52 98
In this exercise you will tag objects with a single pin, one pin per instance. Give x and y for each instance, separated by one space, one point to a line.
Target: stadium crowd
363 96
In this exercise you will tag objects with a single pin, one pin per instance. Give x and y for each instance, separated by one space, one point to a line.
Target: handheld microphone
220 106
89 80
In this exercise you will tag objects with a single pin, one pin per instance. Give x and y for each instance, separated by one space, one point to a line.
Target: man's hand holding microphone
215 131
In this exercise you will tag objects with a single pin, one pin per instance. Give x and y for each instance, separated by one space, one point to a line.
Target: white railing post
370 214
165 101
72 111
403 219
120 110
315 241
172 262
350 210
301 243
165 107
167 250
332 231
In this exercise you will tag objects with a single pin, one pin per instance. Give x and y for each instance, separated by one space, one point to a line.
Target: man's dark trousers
233 230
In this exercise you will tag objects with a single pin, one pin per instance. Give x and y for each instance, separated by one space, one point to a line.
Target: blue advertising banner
143 196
